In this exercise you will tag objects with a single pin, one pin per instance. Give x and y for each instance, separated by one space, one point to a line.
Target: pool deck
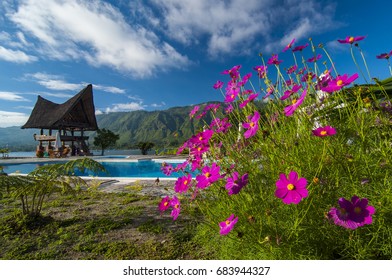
140 186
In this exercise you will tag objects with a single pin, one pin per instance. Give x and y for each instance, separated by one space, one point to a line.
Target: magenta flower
164 204
315 58
245 79
274 60
232 90
235 183
270 90
289 46
210 174
228 225
292 69
384 55
252 126
167 169
233 72
300 48
183 184
249 99
291 189
229 109
217 85
290 92
194 111
352 214
351 40
175 203
324 131
220 125
339 82
261 71
289 110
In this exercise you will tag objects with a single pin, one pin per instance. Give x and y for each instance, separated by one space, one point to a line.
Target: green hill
166 128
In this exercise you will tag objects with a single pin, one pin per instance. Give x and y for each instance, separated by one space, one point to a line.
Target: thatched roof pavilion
76 114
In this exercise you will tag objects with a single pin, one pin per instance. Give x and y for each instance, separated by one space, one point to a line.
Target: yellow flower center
232 96
316 180
166 203
290 187
227 222
200 138
351 39
339 82
176 206
294 101
357 210
252 124
186 182
208 174
323 132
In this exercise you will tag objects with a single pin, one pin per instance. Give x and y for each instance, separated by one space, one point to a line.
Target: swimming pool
124 169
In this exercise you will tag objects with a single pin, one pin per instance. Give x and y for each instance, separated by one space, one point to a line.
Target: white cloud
57 82
125 107
8 119
110 89
233 27
11 96
96 32
16 56
54 82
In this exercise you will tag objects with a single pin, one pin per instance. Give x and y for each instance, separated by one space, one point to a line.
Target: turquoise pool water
132 169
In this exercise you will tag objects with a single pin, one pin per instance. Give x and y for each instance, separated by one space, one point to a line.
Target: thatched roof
77 113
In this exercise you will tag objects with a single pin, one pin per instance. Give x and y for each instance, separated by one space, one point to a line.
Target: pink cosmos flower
274 60
252 126
232 90
167 169
229 109
233 72
213 107
245 79
290 92
270 90
164 204
289 110
300 48
227 225
315 58
324 131
351 40
183 184
249 99
339 82
261 71
218 85
220 125
210 174
291 189
308 77
384 55
289 46
352 214
175 203
292 69
235 183
194 111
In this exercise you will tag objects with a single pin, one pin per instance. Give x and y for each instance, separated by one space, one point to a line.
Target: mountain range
164 128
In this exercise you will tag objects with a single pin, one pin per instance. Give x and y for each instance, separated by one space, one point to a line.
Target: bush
307 177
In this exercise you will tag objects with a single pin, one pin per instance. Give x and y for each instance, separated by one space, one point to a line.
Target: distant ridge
165 128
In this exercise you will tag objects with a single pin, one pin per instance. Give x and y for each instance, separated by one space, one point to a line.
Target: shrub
306 177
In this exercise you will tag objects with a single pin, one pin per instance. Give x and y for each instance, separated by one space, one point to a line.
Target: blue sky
157 54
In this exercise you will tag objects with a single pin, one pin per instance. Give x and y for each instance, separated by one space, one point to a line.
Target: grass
97 225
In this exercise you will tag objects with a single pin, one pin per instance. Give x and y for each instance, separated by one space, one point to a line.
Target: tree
145 147
105 138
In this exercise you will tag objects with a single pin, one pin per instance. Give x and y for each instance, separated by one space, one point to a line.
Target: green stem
356 64
364 62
